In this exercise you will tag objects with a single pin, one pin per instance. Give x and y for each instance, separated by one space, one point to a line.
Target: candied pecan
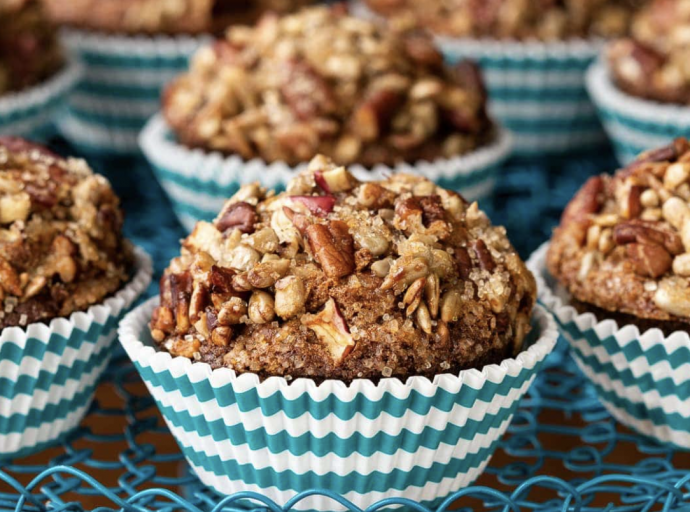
305 91
221 279
237 216
486 261
649 260
333 247
586 202
647 232
373 116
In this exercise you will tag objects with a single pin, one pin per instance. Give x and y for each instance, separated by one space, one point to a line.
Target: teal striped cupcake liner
123 79
536 89
634 124
643 379
198 183
366 441
49 372
31 113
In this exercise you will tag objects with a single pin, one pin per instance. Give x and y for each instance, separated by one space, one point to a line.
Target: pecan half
333 247
486 261
220 279
374 115
649 260
237 216
181 291
648 233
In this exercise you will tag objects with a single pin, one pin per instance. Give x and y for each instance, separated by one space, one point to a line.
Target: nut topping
333 247
239 216
331 329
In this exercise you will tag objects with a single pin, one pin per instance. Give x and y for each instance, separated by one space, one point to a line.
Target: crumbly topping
164 16
29 49
335 278
624 240
61 248
321 81
654 62
546 20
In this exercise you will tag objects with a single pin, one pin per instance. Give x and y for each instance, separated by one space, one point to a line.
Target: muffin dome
29 49
337 279
61 248
653 63
163 16
321 81
513 19
623 244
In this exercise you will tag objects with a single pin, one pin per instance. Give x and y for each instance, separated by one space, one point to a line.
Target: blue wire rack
563 451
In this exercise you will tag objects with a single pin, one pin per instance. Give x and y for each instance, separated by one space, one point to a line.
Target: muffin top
29 49
321 81
339 279
654 63
163 16
61 248
623 244
546 20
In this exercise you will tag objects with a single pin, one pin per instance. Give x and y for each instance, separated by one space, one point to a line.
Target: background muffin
340 279
624 240
163 16
29 50
513 19
61 247
320 81
654 63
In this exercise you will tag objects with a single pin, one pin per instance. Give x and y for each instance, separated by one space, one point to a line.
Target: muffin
29 50
642 86
362 322
322 82
534 54
163 16
34 75
338 279
616 275
66 275
653 62
513 19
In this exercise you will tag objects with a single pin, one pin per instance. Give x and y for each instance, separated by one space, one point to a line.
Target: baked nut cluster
29 49
323 82
163 16
61 248
624 241
654 63
546 20
341 279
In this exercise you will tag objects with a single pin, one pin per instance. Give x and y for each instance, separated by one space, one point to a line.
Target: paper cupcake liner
643 379
31 112
121 87
198 183
634 124
420 439
536 90
49 372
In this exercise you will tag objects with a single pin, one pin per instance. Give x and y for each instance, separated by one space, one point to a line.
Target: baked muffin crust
654 63
337 279
321 81
623 244
163 16
546 20
61 247
29 49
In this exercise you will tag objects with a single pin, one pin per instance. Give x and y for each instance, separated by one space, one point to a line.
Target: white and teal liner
642 378
198 182
49 372
419 439
634 124
536 89
123 79
31 112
